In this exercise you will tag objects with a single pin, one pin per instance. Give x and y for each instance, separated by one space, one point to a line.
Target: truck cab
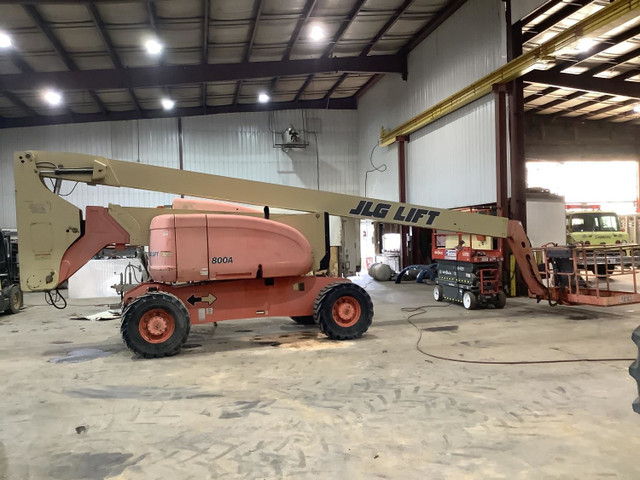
594 228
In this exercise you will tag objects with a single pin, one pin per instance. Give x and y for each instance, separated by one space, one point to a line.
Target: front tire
15 300
469 300
155 325
438 293
344 311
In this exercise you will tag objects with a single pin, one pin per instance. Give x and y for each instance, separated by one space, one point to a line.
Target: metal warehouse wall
242 146
237 145
451 162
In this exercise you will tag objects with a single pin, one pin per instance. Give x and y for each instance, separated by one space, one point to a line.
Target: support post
402 193
500 93
518 204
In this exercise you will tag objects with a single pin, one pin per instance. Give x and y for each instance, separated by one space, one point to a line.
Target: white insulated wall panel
241 145
451 163
235 145
465 48
158 145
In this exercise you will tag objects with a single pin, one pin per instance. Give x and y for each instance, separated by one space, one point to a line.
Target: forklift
10 294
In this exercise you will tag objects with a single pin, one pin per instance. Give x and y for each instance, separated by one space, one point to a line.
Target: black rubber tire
305 320
601 270
473 300
135 310
500 300
15 300
438 293
323 311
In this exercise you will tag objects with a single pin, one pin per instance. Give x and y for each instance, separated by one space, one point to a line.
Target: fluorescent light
167 103
585 44
263 97
636 109
153 47
52 97
317 33
5 40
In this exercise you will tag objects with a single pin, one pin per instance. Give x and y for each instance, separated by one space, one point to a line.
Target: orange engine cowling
201 247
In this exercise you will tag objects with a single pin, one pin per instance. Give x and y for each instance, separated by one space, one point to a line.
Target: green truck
586 228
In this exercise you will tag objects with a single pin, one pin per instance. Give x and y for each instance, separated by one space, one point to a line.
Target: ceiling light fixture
5 40
52 97
167 103
585 44
153 47
317 33
263 97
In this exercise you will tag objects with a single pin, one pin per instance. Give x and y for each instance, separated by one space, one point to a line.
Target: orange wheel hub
346 311
156 326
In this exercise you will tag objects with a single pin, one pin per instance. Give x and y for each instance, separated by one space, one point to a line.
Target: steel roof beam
111 50
343 28
606 109
204 57
303 87
551 20
558 101
440 17
392 20
236 94
607 86
335 86
186 74
617 61
19 62
304 16
542 9
104 35
368 85
601 47
252 36
44 27
20 104
334 103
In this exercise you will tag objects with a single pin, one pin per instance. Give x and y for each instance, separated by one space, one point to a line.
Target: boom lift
208 267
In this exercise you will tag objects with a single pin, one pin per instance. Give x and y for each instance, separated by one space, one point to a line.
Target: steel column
402 194
500 93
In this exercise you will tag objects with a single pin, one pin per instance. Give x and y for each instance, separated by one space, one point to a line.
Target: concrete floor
270 399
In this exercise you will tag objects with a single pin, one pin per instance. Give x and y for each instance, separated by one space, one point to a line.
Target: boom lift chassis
55 241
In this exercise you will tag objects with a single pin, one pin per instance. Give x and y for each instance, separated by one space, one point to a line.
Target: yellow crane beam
614 14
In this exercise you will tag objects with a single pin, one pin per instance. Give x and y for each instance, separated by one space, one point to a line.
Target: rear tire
155 325
500 300
438 293
344 311
15 300
469 300
305 320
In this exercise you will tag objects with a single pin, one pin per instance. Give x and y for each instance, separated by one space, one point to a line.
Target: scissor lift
468 270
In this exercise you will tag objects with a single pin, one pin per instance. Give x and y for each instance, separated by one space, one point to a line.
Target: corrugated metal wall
462 146
242 146
237 145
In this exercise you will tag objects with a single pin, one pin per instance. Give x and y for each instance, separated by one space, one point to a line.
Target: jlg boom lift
210 261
